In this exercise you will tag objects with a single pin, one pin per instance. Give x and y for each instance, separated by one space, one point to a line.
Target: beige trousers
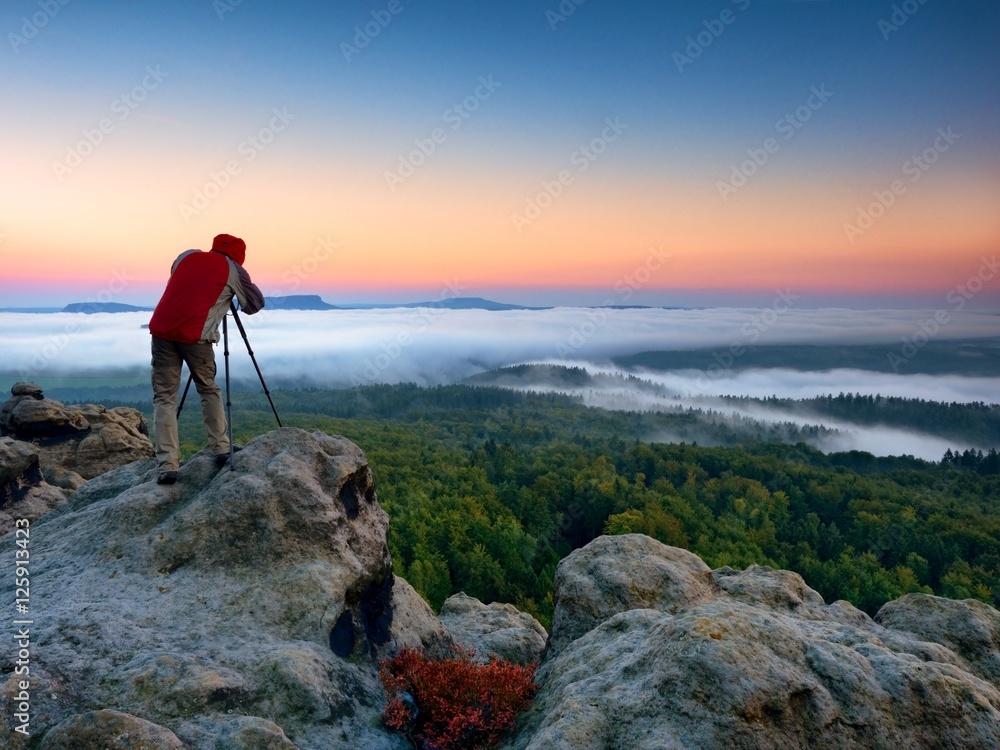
168 356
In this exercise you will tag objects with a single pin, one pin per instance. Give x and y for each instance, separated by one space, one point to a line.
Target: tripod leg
229 401
239 323
185 394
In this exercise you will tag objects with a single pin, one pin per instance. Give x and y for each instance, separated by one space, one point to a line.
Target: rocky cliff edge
238 609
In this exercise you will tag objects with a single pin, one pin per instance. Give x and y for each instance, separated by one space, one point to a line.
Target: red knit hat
231 246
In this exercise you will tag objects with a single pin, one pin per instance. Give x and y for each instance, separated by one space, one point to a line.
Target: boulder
109 730
87 440
495 628
597 581
29 416
414 624
239 733
237 609
753 660
24 388
25 495
969 628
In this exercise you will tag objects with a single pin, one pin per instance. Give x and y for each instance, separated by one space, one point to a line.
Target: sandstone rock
117 436
241 733
57 476
495 628
24 388
756 662
777 589
87 439
24 493
50 703
414 624
19 469
236 609
36 418
616 574
969 628
109 730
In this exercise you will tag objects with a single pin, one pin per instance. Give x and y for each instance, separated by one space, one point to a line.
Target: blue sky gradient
560 77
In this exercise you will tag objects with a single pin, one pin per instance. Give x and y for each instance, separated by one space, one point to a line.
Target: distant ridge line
316 302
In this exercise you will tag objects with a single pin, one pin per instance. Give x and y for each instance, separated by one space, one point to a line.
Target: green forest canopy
487 489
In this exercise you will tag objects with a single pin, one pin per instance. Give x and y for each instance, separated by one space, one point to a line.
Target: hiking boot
167 477
221 458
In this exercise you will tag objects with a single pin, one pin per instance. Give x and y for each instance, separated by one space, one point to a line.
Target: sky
551 153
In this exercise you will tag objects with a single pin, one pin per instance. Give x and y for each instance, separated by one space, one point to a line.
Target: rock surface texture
235 609
24 492
652 649
85 440
496 628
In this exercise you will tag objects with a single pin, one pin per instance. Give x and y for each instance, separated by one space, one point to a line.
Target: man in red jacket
184 326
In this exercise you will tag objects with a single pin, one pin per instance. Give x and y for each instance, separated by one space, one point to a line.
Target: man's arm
250 297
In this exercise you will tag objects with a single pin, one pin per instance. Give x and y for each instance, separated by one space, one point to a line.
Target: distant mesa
315 302
298 302
89 308
471 303
453 303
293 302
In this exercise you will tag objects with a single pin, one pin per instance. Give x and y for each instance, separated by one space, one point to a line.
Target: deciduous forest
487 489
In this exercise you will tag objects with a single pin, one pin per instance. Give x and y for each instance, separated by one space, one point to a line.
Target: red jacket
198 294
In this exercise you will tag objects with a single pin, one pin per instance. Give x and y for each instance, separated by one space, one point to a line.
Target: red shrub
454 703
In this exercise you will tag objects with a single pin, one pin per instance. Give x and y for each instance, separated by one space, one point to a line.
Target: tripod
229 402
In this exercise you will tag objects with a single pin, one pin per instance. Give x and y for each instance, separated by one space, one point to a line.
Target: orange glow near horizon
353 232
